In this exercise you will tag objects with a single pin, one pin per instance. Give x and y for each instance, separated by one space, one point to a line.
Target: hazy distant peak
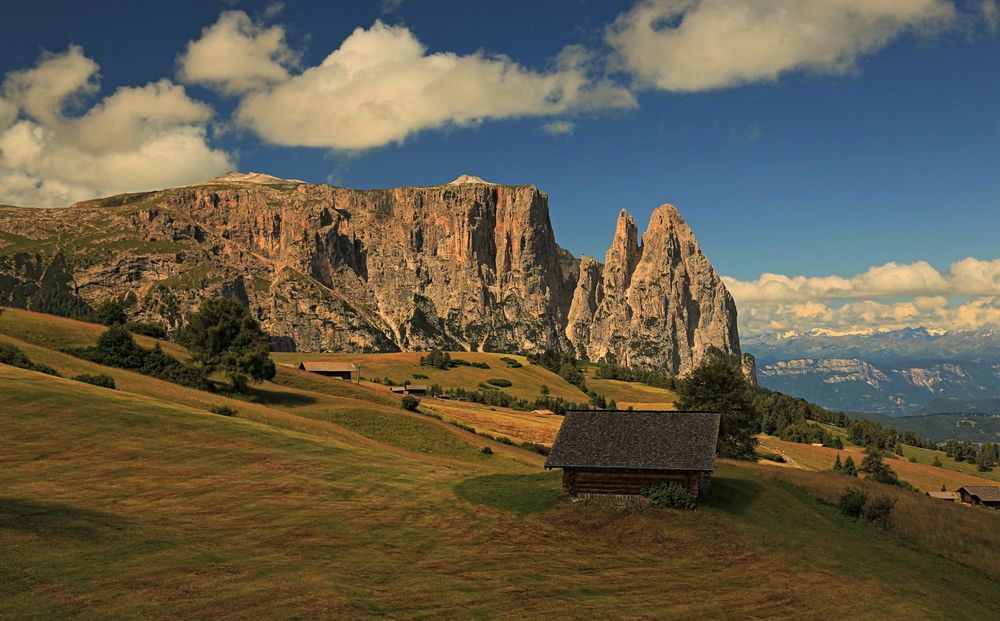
464 179
251 177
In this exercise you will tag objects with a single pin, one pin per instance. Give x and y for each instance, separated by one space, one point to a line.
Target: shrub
511 362
878 510
101 379
773 457
154 330
223 410
419 376
110 313
936 463
672 495
486 451
16 358
499 381
117 348
852 501
410 403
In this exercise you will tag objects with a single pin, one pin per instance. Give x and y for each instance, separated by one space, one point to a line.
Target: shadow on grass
518 493
57 520
264 396
732 495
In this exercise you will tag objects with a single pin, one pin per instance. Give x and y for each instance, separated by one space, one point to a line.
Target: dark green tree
849 468
223 335
718 385
874 467
110 313
837 466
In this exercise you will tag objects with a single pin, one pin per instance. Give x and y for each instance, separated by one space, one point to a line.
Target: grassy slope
639 396
127 506
526 382
923 476
325 500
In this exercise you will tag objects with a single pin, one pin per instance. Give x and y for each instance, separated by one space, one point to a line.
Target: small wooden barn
410 389
622 452
982 495
343 370
946 496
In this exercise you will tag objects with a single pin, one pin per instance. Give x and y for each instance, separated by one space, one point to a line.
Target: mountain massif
905 372
469 265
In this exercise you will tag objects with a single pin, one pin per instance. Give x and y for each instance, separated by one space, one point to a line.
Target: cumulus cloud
888 296
134 139
892 280
236 55
382 86
559 128
694 45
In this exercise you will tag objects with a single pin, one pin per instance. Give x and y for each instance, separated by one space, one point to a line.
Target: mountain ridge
467 265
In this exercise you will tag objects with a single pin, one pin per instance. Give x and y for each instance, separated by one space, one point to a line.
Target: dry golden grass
526 381
128 506
324 499
625 394
965 534
924 477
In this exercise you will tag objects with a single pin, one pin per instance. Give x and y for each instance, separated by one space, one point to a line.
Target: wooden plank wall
623 482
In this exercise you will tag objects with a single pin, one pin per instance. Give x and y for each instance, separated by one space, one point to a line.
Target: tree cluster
117 348
985 456
442 360
224 336
718 385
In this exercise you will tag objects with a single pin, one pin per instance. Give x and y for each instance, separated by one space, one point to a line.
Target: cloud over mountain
134 139
886 296
381 85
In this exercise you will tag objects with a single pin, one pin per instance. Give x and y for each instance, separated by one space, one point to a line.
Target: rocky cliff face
464 266
659 304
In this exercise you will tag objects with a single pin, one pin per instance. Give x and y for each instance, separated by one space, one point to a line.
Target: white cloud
236 55
991 14
559 128
381 86
694 45
135 139
892 280
887 296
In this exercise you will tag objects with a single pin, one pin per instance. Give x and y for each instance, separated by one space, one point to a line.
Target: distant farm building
543 412
982 495
410 389
343 370
623 452
946 496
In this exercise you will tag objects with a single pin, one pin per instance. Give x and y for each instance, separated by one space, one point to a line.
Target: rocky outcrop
660 304
470 265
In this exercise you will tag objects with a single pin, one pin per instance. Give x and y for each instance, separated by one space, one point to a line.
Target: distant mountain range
909 372
908 344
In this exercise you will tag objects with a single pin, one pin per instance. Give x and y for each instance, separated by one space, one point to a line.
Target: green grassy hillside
326 500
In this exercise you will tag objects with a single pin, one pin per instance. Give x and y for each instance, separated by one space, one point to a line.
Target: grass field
625 394
324 499
526 381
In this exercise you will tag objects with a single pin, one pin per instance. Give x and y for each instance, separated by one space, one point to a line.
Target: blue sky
885 150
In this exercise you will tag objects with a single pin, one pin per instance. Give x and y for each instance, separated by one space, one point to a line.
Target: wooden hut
623 452
946 496
982 495
410 389
343 370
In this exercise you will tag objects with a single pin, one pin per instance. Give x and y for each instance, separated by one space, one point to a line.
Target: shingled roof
328 366
619 439
986 493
